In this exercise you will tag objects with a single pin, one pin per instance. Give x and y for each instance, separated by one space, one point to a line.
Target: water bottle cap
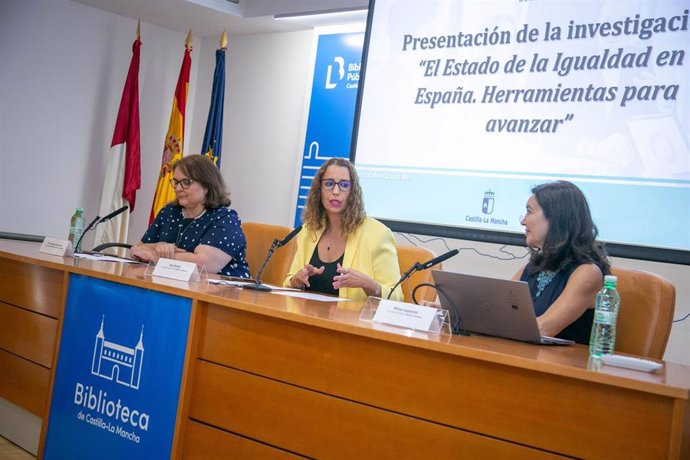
80 209
610 279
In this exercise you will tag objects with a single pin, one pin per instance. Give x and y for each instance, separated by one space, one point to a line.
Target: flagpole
223 42
173 146
213 134
123 171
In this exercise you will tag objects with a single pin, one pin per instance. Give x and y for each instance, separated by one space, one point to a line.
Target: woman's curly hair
315 217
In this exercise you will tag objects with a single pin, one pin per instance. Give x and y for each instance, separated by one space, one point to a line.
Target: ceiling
208 18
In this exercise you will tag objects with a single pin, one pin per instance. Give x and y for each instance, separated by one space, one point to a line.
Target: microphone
287 239
99 220
436 260
418 267
257 286
113 214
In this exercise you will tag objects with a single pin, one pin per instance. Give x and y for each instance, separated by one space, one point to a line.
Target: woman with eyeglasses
341 251
198 226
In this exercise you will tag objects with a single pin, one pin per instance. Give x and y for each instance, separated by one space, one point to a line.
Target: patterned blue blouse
220 228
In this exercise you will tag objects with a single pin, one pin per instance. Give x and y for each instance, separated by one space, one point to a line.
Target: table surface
344 316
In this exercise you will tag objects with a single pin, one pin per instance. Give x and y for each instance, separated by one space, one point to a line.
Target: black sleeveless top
324 282
580 330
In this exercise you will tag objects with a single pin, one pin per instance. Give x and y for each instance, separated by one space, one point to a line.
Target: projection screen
464 106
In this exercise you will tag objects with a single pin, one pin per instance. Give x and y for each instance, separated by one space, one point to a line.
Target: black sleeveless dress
580 330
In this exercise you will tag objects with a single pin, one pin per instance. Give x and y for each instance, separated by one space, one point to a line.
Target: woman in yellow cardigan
340 250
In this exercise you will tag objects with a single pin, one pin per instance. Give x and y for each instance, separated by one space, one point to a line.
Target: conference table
266 375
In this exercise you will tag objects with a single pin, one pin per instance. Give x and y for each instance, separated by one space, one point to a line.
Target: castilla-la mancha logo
488 202
116 362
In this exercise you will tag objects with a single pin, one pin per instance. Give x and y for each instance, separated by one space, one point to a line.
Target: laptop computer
492 306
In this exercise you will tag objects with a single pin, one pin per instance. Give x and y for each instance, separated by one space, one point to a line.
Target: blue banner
332 106
118 375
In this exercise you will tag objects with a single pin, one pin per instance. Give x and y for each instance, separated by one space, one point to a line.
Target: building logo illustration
116 362
488 203
341 72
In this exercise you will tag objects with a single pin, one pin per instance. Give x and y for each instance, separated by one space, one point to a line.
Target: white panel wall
62 70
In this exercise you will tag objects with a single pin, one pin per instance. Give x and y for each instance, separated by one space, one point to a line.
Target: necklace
184 214
543 280
335 242
183 228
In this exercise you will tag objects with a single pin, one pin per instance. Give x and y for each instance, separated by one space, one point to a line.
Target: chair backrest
119 251
103 246
407 256
259 239
645 315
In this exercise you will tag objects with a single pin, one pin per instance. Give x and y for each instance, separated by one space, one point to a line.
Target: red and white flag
123 174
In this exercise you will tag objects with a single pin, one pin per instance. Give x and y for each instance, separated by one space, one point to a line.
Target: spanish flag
174 139
123 173
213 136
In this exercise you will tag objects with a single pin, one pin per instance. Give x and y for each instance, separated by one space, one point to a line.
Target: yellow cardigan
370 249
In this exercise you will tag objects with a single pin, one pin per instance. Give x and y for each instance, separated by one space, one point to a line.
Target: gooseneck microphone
113 214
418 267
99 220
257 286
289 236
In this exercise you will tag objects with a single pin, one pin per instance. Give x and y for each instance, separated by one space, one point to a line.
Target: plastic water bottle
603 338
76 227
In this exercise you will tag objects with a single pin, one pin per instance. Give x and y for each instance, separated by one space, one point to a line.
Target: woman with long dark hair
567 264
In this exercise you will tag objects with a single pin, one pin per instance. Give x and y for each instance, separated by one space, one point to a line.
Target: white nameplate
407 315
176 269
56 247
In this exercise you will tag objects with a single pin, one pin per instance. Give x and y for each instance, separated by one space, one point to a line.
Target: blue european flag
213 136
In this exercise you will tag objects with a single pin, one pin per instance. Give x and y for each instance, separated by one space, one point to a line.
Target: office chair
103 246
645 315
407 256
259 239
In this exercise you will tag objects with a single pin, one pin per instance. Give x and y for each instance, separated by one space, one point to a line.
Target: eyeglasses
184 183
343 185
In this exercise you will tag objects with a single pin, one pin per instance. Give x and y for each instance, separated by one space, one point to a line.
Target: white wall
266 96
61 78
63 69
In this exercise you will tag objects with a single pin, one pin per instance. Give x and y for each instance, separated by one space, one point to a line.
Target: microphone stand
417 266
257 286
81 237
406 275
95 222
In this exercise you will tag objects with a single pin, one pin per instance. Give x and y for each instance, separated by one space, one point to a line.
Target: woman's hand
166 250
301 278
353 279
144 253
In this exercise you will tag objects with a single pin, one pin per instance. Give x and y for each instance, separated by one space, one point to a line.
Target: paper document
104 258
310 296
